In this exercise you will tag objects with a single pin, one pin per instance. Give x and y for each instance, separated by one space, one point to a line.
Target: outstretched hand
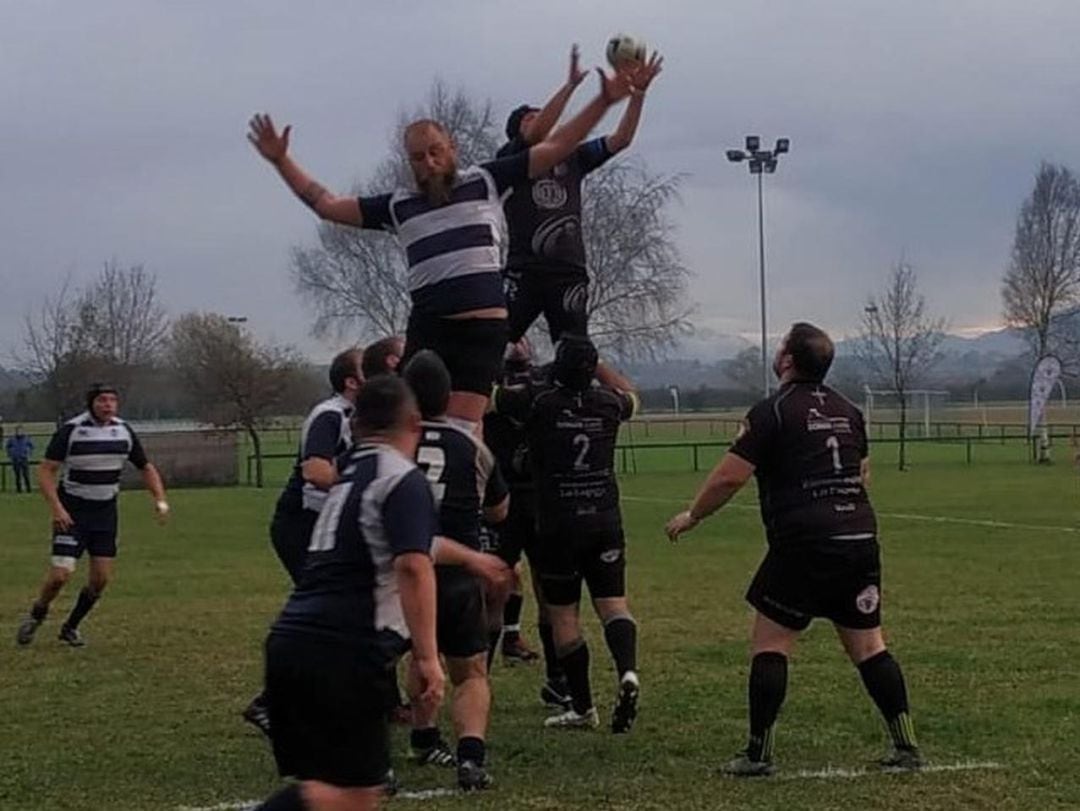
614 87
264 137
576 75
642 74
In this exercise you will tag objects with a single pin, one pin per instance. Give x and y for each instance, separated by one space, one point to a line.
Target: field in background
981 606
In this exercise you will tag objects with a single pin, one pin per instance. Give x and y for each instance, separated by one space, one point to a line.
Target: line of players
554 432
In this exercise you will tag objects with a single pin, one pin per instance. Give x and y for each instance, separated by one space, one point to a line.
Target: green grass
985 620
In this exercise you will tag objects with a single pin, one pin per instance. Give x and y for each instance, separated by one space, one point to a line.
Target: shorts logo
549 194
868 599
576 298
611 555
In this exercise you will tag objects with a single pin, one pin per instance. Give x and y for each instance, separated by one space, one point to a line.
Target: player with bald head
451 228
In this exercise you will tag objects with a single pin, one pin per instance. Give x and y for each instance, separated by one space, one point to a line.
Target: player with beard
546 266
450 228
807 446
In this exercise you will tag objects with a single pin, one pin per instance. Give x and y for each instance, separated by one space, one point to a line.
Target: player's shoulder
78 421
336 404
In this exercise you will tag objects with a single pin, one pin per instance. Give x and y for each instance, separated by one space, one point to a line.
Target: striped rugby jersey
348 593
93 456
454 251
325 434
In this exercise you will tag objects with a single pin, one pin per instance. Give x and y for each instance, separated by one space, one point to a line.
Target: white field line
936 519
247 805
831 773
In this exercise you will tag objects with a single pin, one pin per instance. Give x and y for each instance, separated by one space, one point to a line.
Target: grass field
981 606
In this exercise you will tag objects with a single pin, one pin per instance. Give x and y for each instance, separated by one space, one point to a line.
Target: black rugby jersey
572 437
544 213
807 443
463 476
505 436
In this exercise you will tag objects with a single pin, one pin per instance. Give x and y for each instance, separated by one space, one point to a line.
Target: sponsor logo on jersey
549 194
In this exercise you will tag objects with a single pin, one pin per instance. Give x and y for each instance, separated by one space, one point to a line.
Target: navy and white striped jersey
93 456
454 251
463 476
325 434
348 592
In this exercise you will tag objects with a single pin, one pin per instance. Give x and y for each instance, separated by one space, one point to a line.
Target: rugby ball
623 48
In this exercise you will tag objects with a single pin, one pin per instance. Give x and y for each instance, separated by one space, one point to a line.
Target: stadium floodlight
761 161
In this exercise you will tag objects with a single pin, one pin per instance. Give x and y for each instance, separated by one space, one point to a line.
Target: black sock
512 618
885 683
768 685
552 668
86 601
494 635
575 664
471 749
288 799
39 611
621 636
422 739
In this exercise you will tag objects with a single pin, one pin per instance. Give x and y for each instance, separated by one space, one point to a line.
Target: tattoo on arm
312 194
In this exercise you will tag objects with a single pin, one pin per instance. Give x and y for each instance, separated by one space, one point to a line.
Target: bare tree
744 370
1043 279
355 279
107 330
899 341
638 281
120 317
232 379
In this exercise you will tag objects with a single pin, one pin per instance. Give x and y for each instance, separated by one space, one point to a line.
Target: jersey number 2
581 441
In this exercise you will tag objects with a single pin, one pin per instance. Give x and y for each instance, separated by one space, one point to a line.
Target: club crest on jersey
549 194
868 599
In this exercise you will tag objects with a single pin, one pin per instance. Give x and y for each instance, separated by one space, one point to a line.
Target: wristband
162 506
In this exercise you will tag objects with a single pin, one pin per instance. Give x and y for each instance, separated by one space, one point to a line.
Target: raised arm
275 149
539 128
558 145
641 78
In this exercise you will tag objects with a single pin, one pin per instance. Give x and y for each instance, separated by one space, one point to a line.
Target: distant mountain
702 359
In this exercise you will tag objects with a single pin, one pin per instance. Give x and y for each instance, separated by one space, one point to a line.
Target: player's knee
465 669
612 609
565 649
60 574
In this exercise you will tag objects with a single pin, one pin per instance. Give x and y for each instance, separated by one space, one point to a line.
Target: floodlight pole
761 271
761 161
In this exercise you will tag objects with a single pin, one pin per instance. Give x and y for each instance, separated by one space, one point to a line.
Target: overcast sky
916 129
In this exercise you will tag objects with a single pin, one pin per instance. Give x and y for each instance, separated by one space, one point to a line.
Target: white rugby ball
625 48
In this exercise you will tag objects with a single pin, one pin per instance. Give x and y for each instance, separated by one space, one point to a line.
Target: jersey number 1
833 444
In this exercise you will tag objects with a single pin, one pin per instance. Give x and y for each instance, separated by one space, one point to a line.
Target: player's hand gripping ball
623 49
